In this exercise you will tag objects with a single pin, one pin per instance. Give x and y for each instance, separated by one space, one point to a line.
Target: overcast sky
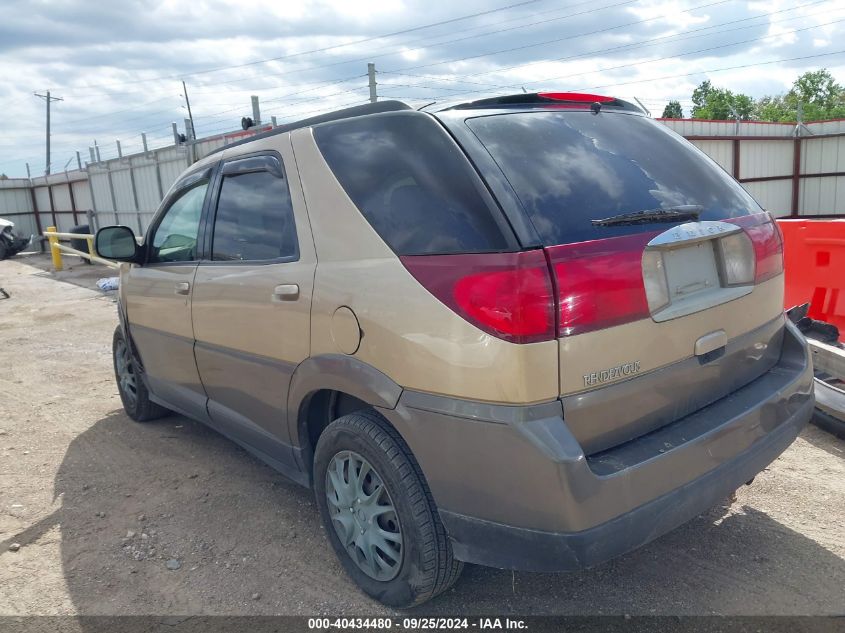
118 65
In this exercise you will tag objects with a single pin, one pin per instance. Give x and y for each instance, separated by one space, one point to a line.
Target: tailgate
604 408
667 275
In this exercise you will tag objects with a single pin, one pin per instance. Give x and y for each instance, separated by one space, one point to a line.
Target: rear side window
254 219
412 184
568 168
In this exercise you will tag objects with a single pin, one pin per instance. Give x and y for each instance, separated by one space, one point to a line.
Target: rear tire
133 392
420 565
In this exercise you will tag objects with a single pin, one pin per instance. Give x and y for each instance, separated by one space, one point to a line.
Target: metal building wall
788 169
16 204
719 151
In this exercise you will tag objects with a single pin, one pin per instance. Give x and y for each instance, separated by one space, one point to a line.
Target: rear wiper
668 214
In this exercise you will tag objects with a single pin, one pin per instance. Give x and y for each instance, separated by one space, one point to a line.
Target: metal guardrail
56 248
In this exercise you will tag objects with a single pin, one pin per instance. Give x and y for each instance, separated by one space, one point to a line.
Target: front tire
379 514
133 392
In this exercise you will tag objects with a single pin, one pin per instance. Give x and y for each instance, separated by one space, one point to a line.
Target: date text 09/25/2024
416 624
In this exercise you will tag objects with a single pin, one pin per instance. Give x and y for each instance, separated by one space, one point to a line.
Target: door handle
286 292
183 288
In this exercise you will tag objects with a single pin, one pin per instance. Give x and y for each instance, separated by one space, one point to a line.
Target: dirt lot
100 505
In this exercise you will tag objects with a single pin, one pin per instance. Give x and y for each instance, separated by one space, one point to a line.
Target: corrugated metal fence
789 169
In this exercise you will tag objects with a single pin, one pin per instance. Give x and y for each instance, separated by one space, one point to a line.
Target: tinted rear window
568 168
413 184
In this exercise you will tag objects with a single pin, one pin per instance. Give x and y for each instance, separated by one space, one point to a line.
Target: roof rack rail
337 115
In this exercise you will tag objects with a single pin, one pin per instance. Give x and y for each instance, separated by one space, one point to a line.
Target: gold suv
533 332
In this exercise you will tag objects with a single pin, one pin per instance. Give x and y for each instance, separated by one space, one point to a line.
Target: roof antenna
524 91
595 107
645 109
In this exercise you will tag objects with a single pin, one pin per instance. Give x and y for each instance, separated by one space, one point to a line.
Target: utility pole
371 74
48 99
188 103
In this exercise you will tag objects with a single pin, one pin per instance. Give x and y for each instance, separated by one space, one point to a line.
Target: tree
817 92
818 88
774 108
4 177
720 104
673 110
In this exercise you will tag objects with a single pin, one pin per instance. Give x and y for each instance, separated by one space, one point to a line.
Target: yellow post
91 248
56 253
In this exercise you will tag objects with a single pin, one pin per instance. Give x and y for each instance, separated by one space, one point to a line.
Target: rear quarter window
568 168
413 184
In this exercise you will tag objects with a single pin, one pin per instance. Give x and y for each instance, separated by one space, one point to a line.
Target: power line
553 41
116 112
641 62
640 44
377 54
631 46
319 50
405 49
716 70
460 39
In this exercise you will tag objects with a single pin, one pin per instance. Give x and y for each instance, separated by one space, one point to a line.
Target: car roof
337 115
511 102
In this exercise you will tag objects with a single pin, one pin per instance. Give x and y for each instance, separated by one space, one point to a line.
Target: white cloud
119 66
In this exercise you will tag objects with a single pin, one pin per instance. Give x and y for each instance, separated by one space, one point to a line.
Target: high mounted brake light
579 97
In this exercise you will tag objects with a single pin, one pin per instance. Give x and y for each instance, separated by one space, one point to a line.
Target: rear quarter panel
407 333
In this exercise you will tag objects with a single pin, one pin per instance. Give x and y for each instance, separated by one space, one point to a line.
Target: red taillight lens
768 244
600 283
595 285
508 295
575 96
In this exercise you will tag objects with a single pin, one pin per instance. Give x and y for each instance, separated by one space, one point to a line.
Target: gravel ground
112 517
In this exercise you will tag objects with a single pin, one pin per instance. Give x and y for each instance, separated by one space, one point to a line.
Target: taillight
768 244
600 283
593 285
508 295
738 259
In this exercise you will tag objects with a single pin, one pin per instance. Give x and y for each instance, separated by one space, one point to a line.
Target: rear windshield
413 184
568 168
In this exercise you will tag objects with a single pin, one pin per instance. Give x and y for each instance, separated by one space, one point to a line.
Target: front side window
175 239
254 219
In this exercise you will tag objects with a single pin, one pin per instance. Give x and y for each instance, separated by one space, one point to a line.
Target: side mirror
117 243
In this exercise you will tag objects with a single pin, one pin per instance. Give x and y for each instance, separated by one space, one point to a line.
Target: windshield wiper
668 214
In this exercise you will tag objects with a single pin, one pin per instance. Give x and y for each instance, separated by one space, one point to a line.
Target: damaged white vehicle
11 243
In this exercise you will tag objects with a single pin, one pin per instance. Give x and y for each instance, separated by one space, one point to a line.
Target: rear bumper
516 491
504 546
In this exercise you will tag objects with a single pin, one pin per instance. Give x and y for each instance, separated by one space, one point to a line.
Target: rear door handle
183 288
286 292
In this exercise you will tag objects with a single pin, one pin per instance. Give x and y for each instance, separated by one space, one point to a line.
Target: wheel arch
325 387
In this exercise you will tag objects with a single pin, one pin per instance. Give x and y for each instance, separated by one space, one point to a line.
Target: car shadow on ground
825 440
169 517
